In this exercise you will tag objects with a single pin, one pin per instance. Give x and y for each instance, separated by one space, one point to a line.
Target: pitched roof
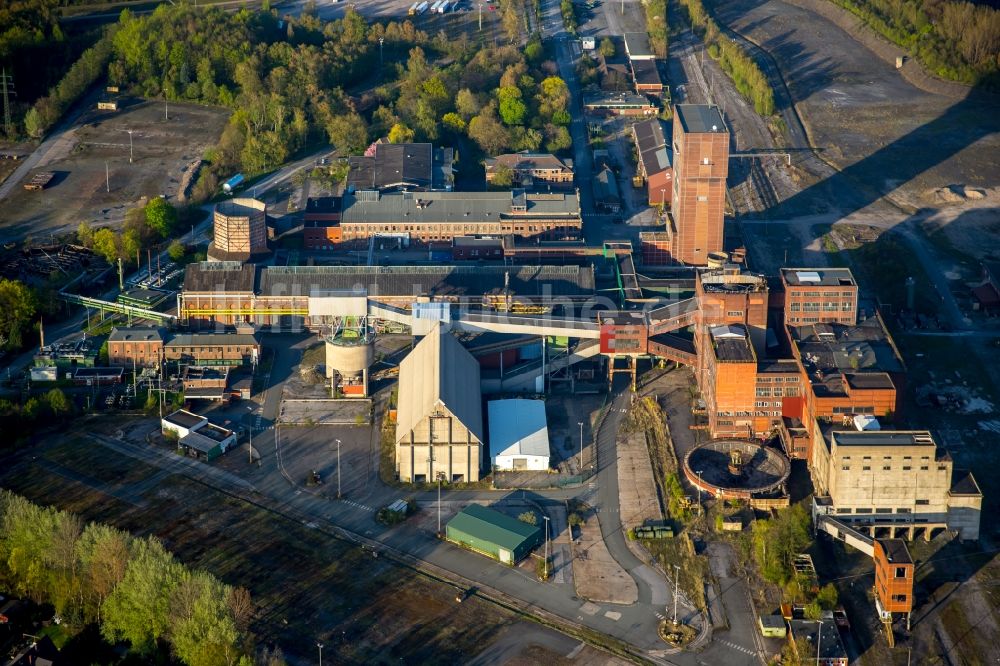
492 526
439 373
455 207
135 334
215 276
518 427
525 161
406 165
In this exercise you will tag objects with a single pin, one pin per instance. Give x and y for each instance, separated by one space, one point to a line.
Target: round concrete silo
349 354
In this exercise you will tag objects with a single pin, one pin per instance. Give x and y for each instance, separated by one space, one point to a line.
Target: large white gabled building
519 435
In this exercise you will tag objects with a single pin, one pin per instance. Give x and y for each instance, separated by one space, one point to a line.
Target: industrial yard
92 157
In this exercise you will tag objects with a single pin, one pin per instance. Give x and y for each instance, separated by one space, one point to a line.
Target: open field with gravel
163 150
307 584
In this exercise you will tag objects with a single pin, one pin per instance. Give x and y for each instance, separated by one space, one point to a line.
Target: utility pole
381 40
480 17
546 518
121 277
7 83
439 476
581 445
107 175
130 154
320 646
677 571
166 109
338 474
250 409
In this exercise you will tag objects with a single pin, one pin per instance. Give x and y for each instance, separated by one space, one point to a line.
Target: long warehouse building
292 298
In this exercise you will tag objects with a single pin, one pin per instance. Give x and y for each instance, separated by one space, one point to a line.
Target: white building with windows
519 435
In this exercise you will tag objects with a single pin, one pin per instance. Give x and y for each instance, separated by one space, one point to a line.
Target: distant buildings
146 347
531 170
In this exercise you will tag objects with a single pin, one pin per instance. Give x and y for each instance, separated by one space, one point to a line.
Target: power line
7 84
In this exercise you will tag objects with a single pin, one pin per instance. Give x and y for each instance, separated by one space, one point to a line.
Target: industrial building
653 152
618 104
823 639
519 435
240 231
411 167
148 347
137 346
531 170
646 76
321 223
821 295
293 298
350 351
439 423
196 436
893 575
896 481
493 534
424 217
701 165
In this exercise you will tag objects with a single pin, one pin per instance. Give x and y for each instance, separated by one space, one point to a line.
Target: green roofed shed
492 533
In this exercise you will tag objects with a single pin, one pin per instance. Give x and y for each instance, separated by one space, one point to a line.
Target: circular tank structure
736 468
350 352
239 230
717 259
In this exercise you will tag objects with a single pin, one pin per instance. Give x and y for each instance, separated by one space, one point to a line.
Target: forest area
955 40
36 52
131 588
302 81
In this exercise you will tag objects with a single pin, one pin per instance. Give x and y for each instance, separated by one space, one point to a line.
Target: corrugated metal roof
493 527
518 427
216 276
439 374
454 207
430 280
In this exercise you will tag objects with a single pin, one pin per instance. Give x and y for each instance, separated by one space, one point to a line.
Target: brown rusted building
701 164
893 575
138 346
321 223
204 349
820 295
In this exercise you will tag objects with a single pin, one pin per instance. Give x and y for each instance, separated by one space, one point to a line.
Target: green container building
492 533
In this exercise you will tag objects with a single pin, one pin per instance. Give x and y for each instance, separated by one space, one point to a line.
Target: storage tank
349 354
717 259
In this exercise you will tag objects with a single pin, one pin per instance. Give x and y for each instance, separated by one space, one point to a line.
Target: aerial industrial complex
518 324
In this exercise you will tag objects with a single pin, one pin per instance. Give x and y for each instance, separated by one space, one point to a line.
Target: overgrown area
748 78
132 588
953 39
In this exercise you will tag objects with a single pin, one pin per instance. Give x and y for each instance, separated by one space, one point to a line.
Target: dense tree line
36 53
132 588
146 227
19 420
656 26
954 39
750 81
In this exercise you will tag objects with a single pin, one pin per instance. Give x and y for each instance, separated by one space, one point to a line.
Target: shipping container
435 6
444 6
413 9
422 7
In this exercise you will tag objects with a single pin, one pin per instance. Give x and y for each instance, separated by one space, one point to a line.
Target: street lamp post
546 518
581 445
440 477
677 571
320 646
129 145
338 469
699 472
250 410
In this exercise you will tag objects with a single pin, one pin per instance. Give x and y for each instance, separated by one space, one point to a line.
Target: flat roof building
440 216
618 103
519 435
701 165
821 295
637 46
439 423
895 479
493 534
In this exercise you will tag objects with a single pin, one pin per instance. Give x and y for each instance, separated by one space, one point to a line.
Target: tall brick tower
701 164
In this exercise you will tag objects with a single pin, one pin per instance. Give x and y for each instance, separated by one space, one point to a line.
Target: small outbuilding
772 626
493 534
519 435
208 442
